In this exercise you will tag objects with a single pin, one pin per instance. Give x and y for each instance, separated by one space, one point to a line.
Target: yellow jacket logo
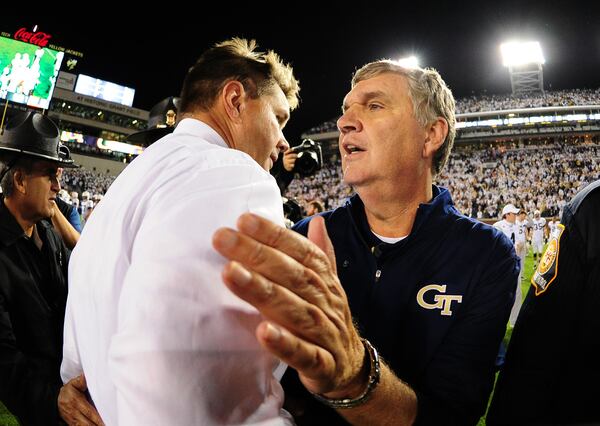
441 300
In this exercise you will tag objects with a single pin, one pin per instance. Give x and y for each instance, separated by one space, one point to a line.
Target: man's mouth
350 148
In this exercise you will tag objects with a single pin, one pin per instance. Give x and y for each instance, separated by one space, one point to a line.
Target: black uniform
551 374
33 293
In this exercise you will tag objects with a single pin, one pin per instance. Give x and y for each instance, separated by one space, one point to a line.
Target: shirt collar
195 127
10 230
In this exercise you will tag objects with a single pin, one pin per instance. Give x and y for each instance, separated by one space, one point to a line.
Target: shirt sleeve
185 351
74 219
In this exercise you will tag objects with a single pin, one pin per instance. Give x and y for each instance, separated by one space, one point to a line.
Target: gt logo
441 302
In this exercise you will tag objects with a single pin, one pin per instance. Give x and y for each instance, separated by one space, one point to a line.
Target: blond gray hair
236 59
431 98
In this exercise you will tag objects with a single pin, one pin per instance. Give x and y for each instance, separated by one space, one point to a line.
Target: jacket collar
10 230
440 202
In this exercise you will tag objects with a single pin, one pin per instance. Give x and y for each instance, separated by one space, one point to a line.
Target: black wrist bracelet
374 376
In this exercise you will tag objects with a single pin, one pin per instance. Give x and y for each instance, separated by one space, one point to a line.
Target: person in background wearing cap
538 225
411 278
159 337
551 372
33 270
508 225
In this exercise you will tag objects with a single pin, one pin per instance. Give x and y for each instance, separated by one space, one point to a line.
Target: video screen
28 72
106 90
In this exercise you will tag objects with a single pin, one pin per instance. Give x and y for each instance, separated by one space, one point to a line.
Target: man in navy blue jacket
412 279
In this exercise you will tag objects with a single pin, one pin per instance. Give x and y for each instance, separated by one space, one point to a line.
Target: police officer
33 268
551 374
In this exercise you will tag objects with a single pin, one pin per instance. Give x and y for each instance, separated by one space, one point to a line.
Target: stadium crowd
80 180
484 102
482 179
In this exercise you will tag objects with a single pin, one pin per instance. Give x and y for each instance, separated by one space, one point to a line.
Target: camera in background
310 158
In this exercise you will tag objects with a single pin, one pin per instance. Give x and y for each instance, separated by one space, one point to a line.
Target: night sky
325 45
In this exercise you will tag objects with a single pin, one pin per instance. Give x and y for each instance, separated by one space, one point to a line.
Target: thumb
317 233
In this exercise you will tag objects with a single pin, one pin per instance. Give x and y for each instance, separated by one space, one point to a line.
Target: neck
393 215
214 120
25 223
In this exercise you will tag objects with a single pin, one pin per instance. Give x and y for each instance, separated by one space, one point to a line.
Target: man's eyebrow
366 97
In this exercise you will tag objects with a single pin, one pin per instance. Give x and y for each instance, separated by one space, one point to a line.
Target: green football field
6 419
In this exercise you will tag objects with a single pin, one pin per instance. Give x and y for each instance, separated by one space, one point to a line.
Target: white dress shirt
149 321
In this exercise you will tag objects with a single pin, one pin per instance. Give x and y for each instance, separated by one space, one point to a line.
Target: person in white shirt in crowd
508 225
74 199
149 322
552 226
537 236
522 225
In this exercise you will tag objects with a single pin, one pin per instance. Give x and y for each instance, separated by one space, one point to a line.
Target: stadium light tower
524 61
409 62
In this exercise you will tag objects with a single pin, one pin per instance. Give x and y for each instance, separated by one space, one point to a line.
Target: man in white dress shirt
149 322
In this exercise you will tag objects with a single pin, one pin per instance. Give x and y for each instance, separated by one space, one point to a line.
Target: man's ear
436 133
19 181
233 97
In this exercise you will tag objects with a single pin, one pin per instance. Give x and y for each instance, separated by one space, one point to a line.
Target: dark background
326 41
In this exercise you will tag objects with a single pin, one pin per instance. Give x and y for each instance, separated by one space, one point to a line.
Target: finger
289 242
277 303
92 414
315 364
87 411
78 418
317 233
278 267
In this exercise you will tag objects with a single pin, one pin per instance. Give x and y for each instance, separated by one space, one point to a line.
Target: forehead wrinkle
364 97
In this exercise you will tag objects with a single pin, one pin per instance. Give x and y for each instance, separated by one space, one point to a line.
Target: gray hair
430 96
8 169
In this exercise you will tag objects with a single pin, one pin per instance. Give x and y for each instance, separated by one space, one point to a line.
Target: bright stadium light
524 61
521 53
409 62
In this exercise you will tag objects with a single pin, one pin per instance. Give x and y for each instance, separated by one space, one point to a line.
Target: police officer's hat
161 122
34 135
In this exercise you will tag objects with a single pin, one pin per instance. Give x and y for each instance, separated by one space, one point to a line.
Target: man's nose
348 122
283 144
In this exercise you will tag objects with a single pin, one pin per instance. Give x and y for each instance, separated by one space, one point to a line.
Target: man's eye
373 106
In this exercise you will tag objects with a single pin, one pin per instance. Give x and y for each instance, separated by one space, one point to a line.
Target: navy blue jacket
551 373
445 353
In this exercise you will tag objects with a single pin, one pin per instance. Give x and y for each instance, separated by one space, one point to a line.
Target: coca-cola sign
38 38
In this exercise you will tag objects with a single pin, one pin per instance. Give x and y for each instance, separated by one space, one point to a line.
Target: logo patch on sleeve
548 268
